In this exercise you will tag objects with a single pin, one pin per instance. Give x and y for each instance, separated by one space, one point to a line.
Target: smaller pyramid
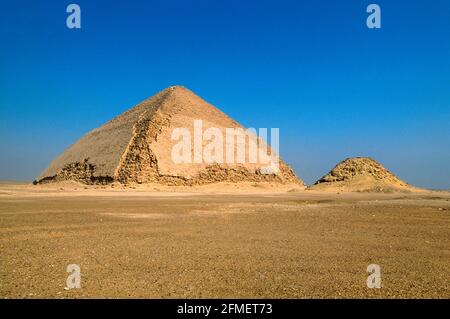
361 174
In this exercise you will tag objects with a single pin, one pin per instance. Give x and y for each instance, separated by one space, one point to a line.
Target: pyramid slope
135 147
361 174
104 146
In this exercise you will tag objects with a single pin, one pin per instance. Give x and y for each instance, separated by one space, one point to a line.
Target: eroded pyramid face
173 138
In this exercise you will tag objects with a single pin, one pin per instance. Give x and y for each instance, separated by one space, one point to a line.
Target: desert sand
221 240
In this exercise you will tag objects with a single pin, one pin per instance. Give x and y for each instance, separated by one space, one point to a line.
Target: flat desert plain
219 242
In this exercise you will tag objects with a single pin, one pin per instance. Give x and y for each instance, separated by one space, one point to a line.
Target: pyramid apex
176 88
180 89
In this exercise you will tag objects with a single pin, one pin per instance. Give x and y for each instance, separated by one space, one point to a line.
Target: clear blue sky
312 68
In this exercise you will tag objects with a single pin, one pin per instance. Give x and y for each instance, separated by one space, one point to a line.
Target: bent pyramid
136 146
362 174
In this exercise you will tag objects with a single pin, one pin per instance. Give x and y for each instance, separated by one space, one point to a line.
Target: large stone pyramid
362 174
136 146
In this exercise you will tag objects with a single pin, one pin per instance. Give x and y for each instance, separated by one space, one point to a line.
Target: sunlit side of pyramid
362 174
135 147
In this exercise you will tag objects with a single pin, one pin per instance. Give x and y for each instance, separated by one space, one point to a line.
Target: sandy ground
221 241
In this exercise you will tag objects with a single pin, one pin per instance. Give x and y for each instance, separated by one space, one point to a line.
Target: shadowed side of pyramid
137 147
95 157
361 174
